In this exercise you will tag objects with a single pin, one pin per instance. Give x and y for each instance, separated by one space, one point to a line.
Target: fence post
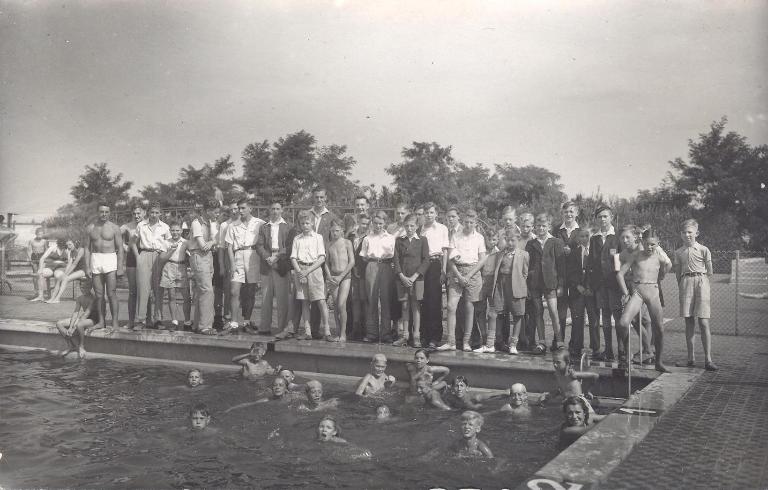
736 303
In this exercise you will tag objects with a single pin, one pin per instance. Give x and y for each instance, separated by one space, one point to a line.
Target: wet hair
335 423
311 383
461 379
476 416
195 370
281 380
690 222
200 408
289 370
423 351
562 354
378 357
512 388
578 400
650 233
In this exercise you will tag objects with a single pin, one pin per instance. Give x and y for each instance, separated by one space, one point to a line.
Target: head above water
199 416
561 359
194 377
314 391
471 423
576 411
379 364
383 412
328 428
279 387
287 374
518 395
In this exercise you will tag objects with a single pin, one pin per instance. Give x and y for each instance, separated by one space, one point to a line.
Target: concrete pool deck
716 435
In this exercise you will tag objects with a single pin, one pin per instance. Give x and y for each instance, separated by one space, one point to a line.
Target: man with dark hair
241 241
201 243
104 262
272 247
322 219
153 239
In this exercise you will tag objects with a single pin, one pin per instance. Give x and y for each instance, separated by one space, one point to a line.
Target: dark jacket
325 225
411 256
601 268
561 234
264 245
547 266
576 269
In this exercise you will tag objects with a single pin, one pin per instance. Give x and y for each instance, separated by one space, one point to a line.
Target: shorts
472 290
505 301
314 288
103 263
174 276
246 267
608 298
404 293
694 296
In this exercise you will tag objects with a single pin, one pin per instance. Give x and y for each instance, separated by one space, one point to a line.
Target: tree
479 189
332 169
725 174
209 182
530 186
427 173
97 185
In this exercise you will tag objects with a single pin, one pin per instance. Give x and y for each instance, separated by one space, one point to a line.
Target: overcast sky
603 93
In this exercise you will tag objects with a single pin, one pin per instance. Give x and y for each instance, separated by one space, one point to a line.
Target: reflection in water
101 423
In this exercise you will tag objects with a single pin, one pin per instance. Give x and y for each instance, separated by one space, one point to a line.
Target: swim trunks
103 263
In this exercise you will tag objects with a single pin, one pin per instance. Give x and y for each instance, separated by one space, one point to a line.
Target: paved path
715 437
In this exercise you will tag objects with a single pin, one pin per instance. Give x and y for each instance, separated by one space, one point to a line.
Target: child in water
429 391
577 419
194 378
377 379
81 321
199 417
470 446
315 400
279 391
421 366
288 375
329 431
253 364
518 401
383 413
459 396
569 382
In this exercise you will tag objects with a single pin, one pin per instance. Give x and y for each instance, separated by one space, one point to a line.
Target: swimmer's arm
362 385
439 373
241 358
248 404
584 375
620 276
437 401
483 448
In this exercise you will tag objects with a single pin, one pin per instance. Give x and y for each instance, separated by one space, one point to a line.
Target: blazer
411 256
519 275
601 268
264 247
325 226
576 269
560 233
547 264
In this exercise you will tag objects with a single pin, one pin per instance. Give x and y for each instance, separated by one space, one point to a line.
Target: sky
602 93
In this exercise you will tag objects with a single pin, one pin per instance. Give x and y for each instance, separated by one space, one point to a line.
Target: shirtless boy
518 401
470 446
339 264
253 364
377 379
104 262
645 265
315 400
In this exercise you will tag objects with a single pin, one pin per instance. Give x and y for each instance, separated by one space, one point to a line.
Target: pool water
102 423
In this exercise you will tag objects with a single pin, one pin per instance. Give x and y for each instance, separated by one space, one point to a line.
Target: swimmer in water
517 403
470 446
288 375
377 379
253 366
314 391
430 394
194 378
569 382
421 366
459 396
577 419
279 392
199 417
329 431
383 413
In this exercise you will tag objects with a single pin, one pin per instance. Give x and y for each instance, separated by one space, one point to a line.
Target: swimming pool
102 423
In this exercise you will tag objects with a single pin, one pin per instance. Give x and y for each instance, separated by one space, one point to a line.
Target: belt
693 274
142 250
249 247
177 261
465 265
275 250
198 251
304 263
380 261
637 283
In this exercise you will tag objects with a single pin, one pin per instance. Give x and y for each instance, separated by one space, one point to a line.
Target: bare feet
52 301
66 352
81 353
39 298
661 368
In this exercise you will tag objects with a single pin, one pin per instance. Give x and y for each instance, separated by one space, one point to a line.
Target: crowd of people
384 280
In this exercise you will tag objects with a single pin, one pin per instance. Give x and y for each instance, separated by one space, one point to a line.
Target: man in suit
271 246
323 218
602 275
546 278
577 285
567 231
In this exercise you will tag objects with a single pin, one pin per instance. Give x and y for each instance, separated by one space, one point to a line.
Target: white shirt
381 246
199 229
467 248
437 238
241 235
605 234
221 239
153 236
568 231
275 233
307 248
549 235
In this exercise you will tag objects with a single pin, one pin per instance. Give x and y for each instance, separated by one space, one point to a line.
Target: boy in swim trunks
253 364
693 268
569 382
315 402
429 392
377 379
83 318
645 265
341 260
35 249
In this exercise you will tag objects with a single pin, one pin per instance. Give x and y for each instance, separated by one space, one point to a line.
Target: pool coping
585 464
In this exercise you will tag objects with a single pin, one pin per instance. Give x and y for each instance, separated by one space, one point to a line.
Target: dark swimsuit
130 258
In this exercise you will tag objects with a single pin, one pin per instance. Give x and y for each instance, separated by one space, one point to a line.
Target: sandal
207 331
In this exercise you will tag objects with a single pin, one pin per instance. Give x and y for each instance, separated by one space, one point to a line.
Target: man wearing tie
275 270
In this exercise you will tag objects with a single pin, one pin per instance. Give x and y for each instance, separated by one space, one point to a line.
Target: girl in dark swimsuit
75 269
51 264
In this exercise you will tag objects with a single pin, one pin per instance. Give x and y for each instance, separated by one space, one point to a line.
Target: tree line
722 183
